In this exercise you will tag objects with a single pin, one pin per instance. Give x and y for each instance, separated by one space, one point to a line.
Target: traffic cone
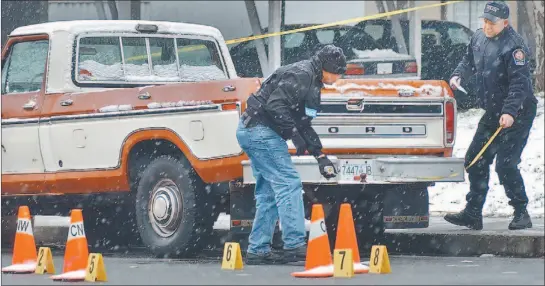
346 237
76 252
318 262
24 249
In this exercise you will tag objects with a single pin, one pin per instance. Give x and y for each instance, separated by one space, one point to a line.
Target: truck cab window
23 70
136 59
163 59
99 59
199 60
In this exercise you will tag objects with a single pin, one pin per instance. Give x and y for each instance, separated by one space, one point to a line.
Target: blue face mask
311 112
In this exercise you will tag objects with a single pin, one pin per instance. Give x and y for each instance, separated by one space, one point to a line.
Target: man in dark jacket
282 110
499 58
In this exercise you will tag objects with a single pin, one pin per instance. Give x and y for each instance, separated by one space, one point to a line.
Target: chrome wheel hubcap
165 208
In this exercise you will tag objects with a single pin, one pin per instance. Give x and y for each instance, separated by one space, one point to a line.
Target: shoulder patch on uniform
519 57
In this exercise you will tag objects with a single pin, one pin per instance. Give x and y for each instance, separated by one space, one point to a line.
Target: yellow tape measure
484 148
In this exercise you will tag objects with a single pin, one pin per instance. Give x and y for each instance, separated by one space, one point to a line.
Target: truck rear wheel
170 208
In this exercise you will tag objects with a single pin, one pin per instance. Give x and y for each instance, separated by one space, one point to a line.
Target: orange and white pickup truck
134 122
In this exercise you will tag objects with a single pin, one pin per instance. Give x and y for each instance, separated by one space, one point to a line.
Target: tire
173 217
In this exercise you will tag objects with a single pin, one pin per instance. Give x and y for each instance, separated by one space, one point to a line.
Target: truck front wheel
170 208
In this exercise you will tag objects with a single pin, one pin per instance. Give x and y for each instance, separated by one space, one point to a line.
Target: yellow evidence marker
45 264
232 257
343 263
95 270
379 263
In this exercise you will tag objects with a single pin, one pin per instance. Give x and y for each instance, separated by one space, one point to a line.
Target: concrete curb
443 238
465 244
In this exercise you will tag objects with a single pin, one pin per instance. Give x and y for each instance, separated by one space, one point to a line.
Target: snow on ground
450 197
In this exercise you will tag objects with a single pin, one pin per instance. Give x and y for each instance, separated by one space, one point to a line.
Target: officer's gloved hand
454 82
299 142
327 169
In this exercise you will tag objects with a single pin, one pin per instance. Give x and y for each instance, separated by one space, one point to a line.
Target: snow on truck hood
380 54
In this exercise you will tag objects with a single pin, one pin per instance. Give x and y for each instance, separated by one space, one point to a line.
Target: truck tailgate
375 170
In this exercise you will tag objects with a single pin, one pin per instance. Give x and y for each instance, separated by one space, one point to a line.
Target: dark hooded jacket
290 98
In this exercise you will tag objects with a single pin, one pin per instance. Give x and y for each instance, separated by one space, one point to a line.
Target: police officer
281 110
498 57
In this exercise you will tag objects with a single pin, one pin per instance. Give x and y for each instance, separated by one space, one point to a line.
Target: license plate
384 68
349 171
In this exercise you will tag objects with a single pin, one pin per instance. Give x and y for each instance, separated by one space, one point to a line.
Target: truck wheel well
144 152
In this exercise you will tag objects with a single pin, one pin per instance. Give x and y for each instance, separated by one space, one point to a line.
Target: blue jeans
278 189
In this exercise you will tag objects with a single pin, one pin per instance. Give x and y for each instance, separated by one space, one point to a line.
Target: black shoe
463 218
296 254
264 259
521 220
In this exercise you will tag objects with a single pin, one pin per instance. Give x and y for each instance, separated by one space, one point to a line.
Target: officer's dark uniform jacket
288 99
503 79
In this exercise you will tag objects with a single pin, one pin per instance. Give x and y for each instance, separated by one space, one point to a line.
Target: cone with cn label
24 249
346 237
318 263
76 253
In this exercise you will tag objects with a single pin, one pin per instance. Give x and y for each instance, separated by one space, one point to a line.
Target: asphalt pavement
405 270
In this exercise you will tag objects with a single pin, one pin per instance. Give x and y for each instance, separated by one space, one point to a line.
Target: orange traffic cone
346 237
318 263
76 253
24 249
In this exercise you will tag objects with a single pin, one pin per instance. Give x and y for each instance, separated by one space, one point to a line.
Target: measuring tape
484 148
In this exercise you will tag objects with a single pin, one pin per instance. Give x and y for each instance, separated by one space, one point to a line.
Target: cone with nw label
346 237
24 249
318 263
76 253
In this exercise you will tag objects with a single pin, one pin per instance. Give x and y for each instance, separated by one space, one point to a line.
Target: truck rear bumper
377 170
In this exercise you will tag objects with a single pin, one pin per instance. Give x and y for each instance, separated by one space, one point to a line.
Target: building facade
231 17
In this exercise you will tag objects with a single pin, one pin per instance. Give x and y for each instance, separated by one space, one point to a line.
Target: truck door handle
29 105
144 96
67 102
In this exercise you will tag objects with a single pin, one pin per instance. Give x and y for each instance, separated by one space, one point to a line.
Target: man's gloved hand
327 169
299 142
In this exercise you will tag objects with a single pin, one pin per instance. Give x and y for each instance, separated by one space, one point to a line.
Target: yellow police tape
315 27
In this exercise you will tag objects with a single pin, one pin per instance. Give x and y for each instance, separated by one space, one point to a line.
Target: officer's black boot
467 219
521 220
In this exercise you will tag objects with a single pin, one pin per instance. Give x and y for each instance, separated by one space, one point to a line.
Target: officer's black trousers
507 147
